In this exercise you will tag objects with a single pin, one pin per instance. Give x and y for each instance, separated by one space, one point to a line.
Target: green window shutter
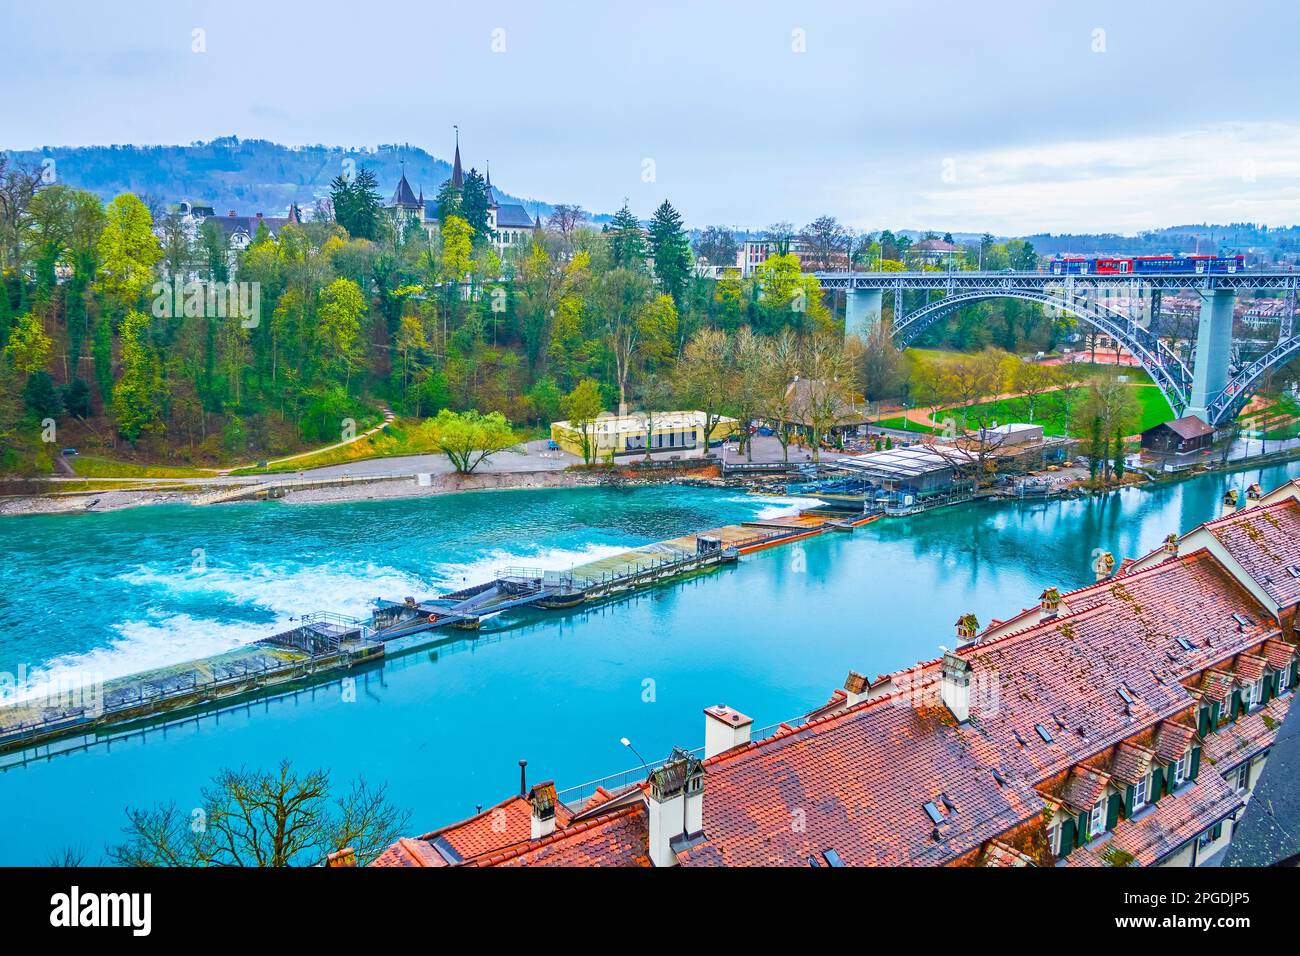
1112 811
1216 711
1067 836
1196 763
1128 802
1157 784
1234 702
1268 689
1203 721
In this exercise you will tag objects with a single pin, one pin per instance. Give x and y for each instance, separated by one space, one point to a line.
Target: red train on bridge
1146 265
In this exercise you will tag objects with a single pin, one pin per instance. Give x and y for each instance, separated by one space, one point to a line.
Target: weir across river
321 646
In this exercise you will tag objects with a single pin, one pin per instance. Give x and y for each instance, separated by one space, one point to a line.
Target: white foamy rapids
286 592
463 575
776 506
161 641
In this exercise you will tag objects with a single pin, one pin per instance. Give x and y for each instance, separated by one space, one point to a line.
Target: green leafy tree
583 405
127 251
468 439
341 307
28 347
137 403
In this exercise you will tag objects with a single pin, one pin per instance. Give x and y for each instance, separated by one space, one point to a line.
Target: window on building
1237 779
1097 819
1141 793
1054 837
1255 693
1182 768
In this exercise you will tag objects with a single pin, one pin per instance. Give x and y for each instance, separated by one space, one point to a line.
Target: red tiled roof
1245 737
1084 788
1172 741
1251 667
1000 854
1173 821
857 782
617 838
410 852
1265 541
504 825
1279 653
1131 763
1216 685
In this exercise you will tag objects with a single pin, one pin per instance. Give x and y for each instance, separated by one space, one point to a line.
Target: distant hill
248 176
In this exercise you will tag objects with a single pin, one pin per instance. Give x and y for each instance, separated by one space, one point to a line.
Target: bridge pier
862 309
1213 350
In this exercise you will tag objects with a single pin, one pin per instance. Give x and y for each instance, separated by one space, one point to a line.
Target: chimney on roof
543 800
856 687
675 806
1253 493
954 686
724 728
1050 601
259 215
968 626
1103 565
523 777
344 857
1171 545
1230 501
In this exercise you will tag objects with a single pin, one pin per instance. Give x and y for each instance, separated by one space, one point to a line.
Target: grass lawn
94 466
1048 412
903 424
404 436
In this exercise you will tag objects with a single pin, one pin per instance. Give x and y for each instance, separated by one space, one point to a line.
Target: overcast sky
1010 116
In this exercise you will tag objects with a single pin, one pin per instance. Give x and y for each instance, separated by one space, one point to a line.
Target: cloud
1227 172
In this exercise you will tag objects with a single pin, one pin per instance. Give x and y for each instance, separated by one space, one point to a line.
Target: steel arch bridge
1208 389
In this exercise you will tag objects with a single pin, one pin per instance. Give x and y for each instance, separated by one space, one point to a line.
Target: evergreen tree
447 202
474 201
76 399
627 248
358 207
670 250
40 396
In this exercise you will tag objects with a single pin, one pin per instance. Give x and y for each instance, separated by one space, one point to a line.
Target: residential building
1121 724
1181 436
681 431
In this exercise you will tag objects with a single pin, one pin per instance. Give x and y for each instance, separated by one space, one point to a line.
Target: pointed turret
403 195
457 176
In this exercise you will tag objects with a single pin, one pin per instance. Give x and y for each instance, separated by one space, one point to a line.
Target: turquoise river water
445 726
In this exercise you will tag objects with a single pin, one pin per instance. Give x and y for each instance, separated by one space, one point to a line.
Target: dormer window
1181 769
1141 792
1255 694
1054 837
1097 820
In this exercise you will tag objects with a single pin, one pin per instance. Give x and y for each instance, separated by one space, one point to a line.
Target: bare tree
701 377
825 239
262 818
829 366
566 218
777 381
